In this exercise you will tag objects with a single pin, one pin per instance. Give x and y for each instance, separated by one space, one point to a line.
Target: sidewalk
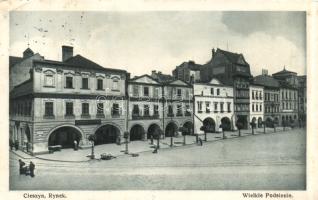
69 155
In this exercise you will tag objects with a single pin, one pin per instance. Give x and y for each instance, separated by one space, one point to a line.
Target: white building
213 103
257 104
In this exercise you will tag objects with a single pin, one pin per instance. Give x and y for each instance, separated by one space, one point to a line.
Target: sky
140 42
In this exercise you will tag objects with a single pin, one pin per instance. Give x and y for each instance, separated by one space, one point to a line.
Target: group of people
14 144
27 170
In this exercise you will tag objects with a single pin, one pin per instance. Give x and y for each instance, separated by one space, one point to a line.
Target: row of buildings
57 102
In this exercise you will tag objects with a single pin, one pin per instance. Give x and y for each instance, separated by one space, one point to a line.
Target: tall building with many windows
214 105
66 101
271 97
233 70
189 72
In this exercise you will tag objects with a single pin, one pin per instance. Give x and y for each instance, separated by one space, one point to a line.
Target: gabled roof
265 80
232 57
81 61
142 76
284 71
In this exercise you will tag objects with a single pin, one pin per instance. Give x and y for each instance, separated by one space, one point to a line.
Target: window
85 109
135 90
115 109
252 94
100 108
253 107
260 108
212 91
48 109
69 109
256 107
146 110
179 110
179 93
135 111
115 85
215 106
100 84
84 83
222 106
260 96
69 82
187 94
200 106
229 107
146 91
170 110
155 110
207 107
49 80
256 95
187 111
218 91
156 92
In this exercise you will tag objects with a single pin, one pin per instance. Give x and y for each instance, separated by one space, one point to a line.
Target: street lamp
126 135
92 139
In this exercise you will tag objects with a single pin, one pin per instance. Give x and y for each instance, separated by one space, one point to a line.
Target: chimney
67 52
159 72
213 52
264 72
153 73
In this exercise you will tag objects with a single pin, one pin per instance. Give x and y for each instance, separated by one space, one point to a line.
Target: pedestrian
21 166
75 145
200 140
32 167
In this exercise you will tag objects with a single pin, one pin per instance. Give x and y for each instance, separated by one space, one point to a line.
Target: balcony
139 117
170 115
179 114
115 115
187 113
48 117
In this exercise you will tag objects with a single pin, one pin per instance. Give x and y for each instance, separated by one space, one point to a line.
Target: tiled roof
266 81
284 71
14 60
80 61
233 57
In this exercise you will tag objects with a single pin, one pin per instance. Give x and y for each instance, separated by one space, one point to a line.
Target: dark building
160 77
188 72
233 70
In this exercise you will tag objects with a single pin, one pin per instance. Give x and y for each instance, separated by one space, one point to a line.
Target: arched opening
259 122
151 130
106 134
269 122
243 120
209 124
137 132
171 129
276 121
226 122
65 136
188 126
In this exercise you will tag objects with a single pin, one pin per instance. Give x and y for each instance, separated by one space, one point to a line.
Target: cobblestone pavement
264 161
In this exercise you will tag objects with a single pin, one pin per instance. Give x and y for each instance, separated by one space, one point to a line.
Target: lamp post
92 139
264 124
126 135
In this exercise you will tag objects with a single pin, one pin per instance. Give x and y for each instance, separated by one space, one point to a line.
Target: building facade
67 101
302 100
288 103
257 104
145 107
234 71
189 72
177 107
214 105
271 98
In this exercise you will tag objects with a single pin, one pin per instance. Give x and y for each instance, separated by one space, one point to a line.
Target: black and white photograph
157 100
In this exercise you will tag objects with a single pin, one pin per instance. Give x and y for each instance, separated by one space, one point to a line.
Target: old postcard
158 100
